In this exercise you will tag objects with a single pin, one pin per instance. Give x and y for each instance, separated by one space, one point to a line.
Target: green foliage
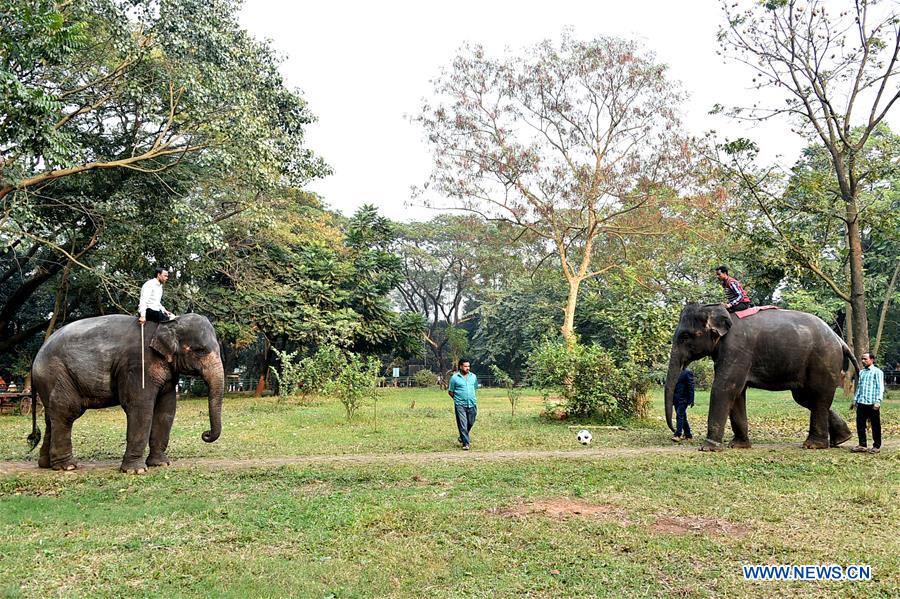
513 393
356 382
291 378
194 106
586 377
703 370
316 372
425 378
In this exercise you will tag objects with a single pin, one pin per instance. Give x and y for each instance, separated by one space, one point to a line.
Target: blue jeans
681 423
465 420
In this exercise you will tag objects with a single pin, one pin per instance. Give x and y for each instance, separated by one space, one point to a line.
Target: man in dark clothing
736 299
683 399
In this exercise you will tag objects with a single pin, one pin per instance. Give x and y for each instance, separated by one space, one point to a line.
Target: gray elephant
777 350
96 363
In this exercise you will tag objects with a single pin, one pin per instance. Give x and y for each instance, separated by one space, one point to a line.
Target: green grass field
653 522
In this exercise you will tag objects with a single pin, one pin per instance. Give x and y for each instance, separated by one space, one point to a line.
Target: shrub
319 369
703 373
289 379
425 378
587 378
357 381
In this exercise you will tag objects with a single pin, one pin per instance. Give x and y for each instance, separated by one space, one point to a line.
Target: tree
576 143
792 225
838 73
449 263
126 124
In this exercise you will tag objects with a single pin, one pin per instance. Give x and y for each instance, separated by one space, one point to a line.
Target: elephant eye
698 333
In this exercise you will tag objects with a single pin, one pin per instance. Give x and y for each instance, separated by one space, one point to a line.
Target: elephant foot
738 444
811 443
154 461
709 445
44 461
133 468
65 466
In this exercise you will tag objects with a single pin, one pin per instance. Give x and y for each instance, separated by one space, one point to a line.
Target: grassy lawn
679 523
269 427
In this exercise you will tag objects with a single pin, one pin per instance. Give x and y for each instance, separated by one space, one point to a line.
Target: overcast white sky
365 66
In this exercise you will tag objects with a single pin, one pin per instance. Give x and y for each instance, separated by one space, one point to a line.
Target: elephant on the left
97 363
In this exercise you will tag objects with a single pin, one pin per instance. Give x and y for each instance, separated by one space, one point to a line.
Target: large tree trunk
860 318
264 369
57 304
568 327
885 306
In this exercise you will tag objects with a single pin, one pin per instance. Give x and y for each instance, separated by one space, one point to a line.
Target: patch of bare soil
686 525
563 507
560 508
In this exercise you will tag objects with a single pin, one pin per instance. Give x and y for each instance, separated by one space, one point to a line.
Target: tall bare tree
576 142
837 68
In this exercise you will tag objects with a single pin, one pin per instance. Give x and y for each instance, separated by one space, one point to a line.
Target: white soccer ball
584 437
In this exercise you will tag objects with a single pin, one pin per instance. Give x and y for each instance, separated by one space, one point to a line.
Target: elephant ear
718 321
165 342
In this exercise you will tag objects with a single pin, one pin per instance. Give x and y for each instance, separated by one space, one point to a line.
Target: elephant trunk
214 375
676 365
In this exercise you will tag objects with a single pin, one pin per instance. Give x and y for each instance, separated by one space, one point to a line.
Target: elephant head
699 331
189 343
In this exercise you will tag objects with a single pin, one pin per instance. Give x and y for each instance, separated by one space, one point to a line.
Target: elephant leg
140 418
738 418
163 417
818 418
61 457
44 459
721 399
838 431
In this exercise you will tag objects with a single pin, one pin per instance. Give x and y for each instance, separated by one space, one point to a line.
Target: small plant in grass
513 393
356 383
290 377
425 378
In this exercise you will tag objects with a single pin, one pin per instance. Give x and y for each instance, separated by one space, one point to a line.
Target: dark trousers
863 413
156 316
739 307
465 420
681 421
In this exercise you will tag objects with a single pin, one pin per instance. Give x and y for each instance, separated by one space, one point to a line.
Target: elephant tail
35 437
849 358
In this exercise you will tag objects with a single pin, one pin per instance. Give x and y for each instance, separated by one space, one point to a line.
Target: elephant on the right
776 350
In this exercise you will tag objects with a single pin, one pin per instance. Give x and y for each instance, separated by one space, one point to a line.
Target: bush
703 373
587 378
289 379
425 378
318 370
357 381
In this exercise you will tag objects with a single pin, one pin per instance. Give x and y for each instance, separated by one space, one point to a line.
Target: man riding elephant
103 361
776 350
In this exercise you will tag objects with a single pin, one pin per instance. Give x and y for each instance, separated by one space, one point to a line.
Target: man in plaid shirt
869 393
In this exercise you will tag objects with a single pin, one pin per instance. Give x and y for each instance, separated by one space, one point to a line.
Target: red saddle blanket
754 310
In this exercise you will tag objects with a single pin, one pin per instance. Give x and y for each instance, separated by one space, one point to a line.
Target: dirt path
405 458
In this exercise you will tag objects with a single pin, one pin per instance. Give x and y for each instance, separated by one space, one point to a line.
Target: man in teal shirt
462 389
869 393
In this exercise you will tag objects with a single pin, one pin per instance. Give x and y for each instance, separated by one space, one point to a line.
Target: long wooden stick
142 355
